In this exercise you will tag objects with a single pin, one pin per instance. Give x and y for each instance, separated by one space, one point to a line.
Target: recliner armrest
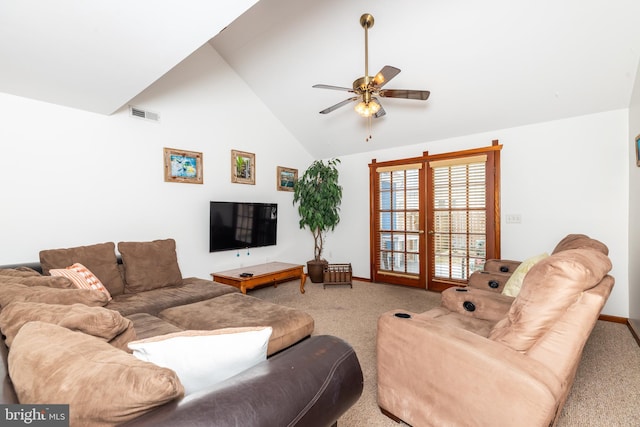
487 280
501 265
478 303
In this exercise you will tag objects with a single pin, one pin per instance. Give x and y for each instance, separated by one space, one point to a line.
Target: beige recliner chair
486 359
496 272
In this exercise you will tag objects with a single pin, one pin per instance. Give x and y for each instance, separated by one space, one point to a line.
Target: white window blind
460 215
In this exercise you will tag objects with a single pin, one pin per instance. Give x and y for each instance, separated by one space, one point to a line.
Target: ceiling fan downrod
366 20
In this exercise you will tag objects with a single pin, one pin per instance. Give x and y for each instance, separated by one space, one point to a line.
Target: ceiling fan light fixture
367 109
367 89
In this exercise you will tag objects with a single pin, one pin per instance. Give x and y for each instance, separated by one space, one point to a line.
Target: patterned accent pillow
81 277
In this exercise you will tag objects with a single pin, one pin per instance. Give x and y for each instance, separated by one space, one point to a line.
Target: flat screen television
238 225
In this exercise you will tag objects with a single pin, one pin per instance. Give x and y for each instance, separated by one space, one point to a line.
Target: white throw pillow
204 358
514 283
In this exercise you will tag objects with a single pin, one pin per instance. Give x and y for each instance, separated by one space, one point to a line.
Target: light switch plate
513 218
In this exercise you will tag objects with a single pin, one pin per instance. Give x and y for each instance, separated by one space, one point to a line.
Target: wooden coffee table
262 274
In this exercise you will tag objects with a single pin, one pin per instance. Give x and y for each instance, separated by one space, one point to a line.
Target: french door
398 249
434 219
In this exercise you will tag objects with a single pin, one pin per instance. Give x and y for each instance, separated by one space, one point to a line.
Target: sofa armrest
311 383
430 373
487 280
478 303
7 393
501 265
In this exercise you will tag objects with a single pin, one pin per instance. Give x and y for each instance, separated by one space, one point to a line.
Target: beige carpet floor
606 391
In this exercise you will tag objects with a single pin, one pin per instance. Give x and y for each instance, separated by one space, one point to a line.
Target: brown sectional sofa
147 279
133 292
304 381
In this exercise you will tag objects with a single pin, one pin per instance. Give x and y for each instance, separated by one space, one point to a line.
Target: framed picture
638 150
285 178
182 166
243 167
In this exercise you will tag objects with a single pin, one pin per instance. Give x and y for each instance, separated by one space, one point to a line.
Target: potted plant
318 195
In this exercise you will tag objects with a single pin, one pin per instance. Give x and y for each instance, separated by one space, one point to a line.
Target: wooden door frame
493 198
420 282
425 246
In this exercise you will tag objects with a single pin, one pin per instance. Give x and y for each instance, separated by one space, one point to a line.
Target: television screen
237 225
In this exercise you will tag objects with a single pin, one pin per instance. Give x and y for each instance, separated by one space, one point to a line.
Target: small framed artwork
243 167
182 166
638 150
286 178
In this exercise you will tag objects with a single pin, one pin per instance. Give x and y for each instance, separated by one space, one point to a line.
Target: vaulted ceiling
489 65
98 55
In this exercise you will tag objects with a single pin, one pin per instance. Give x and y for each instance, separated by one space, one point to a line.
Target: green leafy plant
240 167
319 195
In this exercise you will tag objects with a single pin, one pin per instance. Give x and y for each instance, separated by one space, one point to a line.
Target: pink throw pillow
81 277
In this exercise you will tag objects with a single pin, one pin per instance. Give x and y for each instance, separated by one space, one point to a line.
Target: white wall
72 178
566 176
634 208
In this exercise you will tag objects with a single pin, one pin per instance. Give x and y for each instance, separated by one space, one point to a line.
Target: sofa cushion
154 301
150 265
147 326
100 322
15 292
580 241
550 287
52 282
514 283
18 272
204 358
103 385
81 278
99 258
289 325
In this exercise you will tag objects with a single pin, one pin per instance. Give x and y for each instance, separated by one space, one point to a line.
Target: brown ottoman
235 310
147 326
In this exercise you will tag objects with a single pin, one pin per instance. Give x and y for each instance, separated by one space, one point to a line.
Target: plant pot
315 270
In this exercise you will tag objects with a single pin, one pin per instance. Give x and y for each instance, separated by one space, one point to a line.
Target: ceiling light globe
367 109
361 108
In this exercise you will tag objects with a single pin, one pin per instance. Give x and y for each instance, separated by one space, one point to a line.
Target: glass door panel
459 220
398 232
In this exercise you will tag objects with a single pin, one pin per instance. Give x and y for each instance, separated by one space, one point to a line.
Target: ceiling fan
368 88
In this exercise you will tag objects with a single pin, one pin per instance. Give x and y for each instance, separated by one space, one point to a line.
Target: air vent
140 113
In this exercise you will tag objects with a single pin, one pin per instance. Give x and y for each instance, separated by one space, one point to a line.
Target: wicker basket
337 274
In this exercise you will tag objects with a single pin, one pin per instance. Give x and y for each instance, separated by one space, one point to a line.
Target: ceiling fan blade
387 73
348 89
338 105
405 93
380 112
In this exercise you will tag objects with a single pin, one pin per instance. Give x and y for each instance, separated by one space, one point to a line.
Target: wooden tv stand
262 274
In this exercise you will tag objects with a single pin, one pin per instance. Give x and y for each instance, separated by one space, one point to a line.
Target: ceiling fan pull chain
369 126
